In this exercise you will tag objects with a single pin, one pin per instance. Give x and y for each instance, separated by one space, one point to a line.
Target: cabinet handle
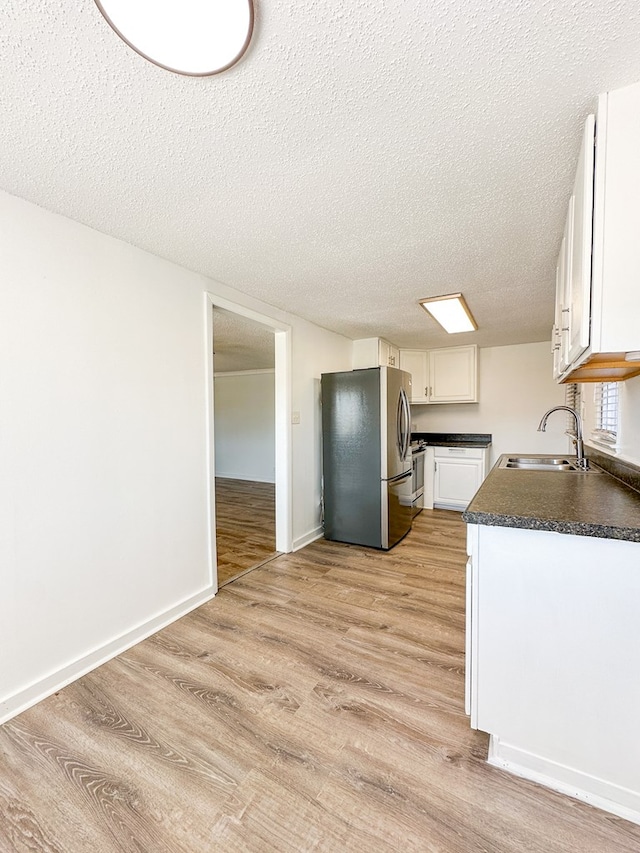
564 329
426 392
564 310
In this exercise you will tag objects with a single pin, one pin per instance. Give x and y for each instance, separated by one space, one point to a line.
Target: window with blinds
572 399
606 401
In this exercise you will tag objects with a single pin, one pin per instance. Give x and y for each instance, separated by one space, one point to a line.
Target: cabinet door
469 692
415 362
616 247
560 334
456 481
471 628
384 352
388 354
453 375
559 348
564 263
552 639
579 274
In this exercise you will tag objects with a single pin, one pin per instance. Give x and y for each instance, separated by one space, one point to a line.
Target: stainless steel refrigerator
366 437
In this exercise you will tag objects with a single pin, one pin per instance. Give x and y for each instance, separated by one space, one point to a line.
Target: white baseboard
34 693
600 793
308 538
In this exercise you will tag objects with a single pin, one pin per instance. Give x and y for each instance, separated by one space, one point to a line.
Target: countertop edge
506 502
598 531
453 439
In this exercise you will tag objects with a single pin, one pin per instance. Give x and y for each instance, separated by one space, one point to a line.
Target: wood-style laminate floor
245 526
316 704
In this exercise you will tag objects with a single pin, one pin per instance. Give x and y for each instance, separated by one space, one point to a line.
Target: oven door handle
400 477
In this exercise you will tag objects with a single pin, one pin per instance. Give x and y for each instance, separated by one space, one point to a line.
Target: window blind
606 401
572 399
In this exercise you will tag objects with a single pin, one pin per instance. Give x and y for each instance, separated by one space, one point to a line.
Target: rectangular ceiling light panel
451 311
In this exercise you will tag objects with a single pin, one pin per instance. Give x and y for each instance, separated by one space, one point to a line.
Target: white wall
314 354
516 388
630 420
245 425
103 445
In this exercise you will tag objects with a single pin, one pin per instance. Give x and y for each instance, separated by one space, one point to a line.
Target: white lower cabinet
458 474
470 704
552 670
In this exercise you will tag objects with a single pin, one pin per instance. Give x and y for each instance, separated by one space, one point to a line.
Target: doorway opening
249 439
245 526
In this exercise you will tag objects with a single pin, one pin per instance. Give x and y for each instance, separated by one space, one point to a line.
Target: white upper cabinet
573 272
448 375
416 362
561 326
374 352
579 272
616 251
388 354
597 315
453 375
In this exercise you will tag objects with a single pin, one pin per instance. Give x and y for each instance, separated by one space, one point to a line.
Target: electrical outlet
295 417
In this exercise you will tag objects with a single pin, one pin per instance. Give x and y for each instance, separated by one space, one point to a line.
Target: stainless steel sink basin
541 463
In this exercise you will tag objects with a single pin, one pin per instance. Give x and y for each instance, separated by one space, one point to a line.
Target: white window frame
607 414
573 399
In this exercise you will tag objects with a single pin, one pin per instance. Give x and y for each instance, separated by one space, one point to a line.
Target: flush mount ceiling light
192 37
451 311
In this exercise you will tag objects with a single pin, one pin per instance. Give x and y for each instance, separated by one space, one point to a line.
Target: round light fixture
193 37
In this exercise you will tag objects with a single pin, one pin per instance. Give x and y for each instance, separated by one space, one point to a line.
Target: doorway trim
283 455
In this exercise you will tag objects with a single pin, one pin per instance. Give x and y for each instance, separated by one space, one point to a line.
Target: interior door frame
283 455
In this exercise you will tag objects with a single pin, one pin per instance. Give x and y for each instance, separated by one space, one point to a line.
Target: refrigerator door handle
408 409
404 428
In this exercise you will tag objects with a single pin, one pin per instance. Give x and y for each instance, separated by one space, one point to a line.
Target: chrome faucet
581 462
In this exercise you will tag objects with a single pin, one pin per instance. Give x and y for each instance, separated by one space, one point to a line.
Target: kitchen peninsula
552 670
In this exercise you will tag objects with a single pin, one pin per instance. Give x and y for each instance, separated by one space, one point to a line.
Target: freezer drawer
399 511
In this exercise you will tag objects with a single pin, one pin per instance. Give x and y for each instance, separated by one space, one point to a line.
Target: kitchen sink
541 463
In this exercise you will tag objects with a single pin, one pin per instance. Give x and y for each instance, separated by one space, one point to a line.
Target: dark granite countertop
453 439
585 504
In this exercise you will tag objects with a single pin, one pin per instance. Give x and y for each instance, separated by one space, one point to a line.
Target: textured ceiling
360 156
241 344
